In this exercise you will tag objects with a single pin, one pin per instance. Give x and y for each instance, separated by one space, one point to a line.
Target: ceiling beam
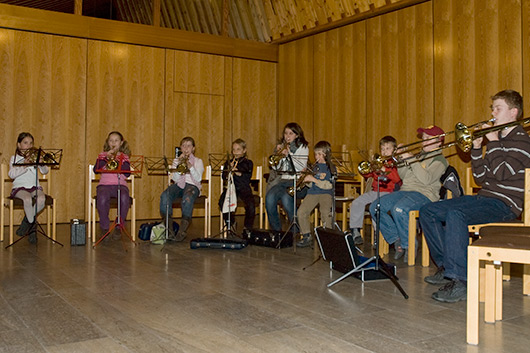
373 12
50 22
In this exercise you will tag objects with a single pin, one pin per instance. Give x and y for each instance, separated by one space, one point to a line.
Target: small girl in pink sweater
115 155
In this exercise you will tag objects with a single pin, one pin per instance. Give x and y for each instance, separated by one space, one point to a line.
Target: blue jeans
187 196
395 225
445 225
279 193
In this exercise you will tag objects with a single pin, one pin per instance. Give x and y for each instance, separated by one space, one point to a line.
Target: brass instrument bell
112 164
276 158
182 167
375 165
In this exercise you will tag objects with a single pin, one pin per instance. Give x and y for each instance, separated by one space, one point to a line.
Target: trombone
464 137
458 131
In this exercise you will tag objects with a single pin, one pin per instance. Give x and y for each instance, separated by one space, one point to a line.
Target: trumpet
276 157
30 154
112 163
300 183
375 165
182 166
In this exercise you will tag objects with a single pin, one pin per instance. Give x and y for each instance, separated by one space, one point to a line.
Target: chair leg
489 304
425 256
93 222
11 220
48 220
2 222
206 218
54 220
498 292
412 237
526 279
506 267
133 220
383 245
472 296
482 282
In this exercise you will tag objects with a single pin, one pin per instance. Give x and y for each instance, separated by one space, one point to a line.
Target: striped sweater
501 170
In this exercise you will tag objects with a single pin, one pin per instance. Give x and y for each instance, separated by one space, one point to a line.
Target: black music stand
39 157
136 165
161 166
378 264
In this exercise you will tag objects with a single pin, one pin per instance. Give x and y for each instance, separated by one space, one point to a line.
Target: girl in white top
294 152
25 182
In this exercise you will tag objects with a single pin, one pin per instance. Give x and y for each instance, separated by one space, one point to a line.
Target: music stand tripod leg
294 221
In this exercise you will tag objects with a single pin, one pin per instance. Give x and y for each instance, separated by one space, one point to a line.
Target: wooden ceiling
275 21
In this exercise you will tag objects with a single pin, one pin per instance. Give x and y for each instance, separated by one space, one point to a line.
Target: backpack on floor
158 233
145 231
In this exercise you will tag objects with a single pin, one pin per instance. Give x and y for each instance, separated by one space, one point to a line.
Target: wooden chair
498 245
523 222
203 200
91 204
14 203
259 197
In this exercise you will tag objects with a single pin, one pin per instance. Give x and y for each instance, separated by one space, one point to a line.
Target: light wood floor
173 299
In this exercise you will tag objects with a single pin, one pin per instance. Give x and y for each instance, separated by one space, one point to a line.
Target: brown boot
184 224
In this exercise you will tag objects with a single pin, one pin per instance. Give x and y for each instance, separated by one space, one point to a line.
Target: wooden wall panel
125 92
399 74
295 85
254 108
42 90
199 115
199 73
340 88
478 52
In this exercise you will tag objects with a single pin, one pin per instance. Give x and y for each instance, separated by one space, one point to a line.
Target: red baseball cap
431 130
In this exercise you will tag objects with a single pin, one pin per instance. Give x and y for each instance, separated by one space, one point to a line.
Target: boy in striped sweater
500 171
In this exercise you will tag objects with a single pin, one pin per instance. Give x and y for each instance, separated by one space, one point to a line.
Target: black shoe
102 232
399 250
438 278
32 238
24 227
305 241
116 234
452 292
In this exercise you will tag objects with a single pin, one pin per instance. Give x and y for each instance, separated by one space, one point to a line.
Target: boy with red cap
421 185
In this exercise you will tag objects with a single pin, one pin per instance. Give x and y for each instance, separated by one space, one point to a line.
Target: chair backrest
471 186
3 182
